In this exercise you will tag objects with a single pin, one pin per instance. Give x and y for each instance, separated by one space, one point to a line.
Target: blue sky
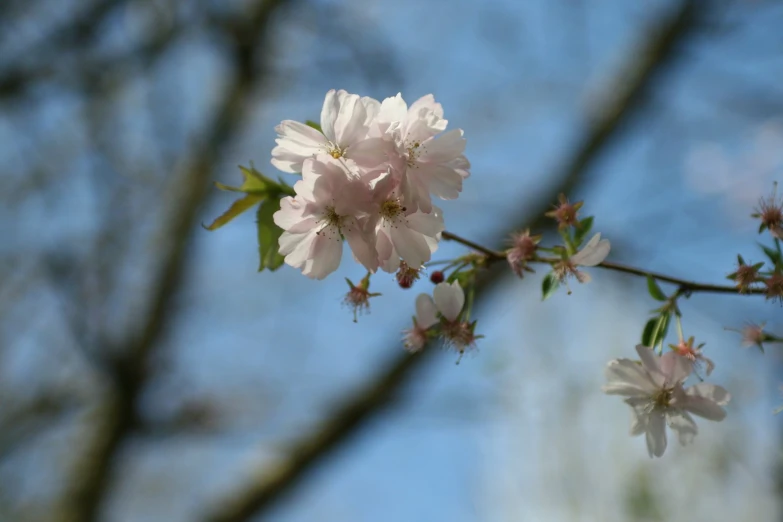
520 430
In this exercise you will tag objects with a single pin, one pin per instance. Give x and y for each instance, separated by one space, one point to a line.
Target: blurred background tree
147 372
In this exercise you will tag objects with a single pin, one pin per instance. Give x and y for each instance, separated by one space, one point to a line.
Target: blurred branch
89 71
19 425
646 63
129 367
77 32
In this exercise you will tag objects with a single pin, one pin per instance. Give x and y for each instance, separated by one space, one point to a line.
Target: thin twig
686 286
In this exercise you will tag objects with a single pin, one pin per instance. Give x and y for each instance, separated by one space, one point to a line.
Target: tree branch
686 286
120 416
270 486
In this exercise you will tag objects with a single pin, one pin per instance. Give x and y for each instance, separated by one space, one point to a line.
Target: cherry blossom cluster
368 176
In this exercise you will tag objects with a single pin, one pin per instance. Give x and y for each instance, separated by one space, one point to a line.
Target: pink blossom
330 205
401 232
428 162
345 120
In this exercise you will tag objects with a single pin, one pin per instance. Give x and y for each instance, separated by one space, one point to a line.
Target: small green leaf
655 330
549 285
311 123
584 228
649 332
655 290
773 255
740 260
268 236
570 246
664 328
236 208
253 183
462 276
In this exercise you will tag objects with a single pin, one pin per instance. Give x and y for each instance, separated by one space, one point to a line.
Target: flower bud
770 213
565 213
406 275
358 297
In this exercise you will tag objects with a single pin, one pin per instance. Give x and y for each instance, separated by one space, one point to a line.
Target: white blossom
654 390
426 317
345 120
592 254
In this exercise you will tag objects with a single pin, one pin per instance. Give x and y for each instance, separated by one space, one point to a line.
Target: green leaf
584 228
740 260
655 330
253 182
649 332
570 246
549 285
268 236
236 208
311 123
655 290
664 328
773 255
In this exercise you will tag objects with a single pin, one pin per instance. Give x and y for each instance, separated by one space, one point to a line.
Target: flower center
412 152
331 221
335 151
391 209
662 399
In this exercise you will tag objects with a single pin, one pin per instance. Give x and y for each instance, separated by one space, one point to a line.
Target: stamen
332 222
392 209
412 152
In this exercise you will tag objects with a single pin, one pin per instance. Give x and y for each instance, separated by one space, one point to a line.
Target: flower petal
683 424
628 378
362 244
717 394
656 434
425 311
449 298
593 253
296 247
411 246
650 361
370 153
329 113
443 181
675 367
349 127
443 148
325 255
638 422
428 224
704 408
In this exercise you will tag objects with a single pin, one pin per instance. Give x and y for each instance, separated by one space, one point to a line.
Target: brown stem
686 286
